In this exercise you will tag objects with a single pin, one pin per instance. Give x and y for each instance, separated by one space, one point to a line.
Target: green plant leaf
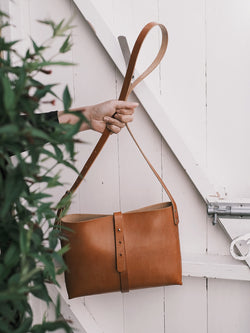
36 133
53 239
47 22
10 130
6 46
58 307
4 14
66 46
4 326
28 274
42 91
12 181
25 236
59 260
53 63
66 98
41 293
20 84
48 263
37 235
24 326
12 255
37 48
63 250
59 153
9 96
14 280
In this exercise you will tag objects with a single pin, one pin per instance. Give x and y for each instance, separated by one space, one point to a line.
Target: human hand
100 116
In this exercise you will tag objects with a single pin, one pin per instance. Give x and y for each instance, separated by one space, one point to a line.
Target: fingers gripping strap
125 91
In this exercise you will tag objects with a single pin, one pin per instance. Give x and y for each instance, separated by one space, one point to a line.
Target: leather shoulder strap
125 92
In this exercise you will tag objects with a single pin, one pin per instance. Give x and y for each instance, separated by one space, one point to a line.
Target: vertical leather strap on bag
121 264
127 88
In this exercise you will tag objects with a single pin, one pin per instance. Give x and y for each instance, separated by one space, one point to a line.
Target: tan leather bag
123 251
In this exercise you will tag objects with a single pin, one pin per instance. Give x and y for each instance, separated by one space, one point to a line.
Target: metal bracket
229 210
240 242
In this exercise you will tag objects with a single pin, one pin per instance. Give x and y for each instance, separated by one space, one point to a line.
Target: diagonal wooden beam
74 311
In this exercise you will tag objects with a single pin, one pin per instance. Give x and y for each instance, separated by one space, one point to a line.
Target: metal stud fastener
119 229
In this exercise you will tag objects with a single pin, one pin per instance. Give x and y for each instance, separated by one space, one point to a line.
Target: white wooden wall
204 83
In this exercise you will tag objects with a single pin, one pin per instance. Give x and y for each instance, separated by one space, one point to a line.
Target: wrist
68 118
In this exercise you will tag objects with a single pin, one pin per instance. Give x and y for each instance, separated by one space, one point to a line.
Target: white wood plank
183 73
101 30
107 8
228 306
228 103
191 208
214 266
138 185
61 75
144 189
87 319
144 311
102 179
38 308
186 307
67 311
5 6
20 19
94 82
106 311
134 17
228 52
218 240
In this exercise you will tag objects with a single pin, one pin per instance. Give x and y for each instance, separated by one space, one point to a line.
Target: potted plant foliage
28 238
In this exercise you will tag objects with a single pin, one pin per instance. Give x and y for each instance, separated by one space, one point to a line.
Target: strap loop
125 91
127 85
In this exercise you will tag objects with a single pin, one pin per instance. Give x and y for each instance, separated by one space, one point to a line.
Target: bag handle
125 92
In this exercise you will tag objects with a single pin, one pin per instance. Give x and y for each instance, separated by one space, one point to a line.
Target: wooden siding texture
204 82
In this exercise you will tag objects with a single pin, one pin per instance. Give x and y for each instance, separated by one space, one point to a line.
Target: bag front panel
91 258
152 249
